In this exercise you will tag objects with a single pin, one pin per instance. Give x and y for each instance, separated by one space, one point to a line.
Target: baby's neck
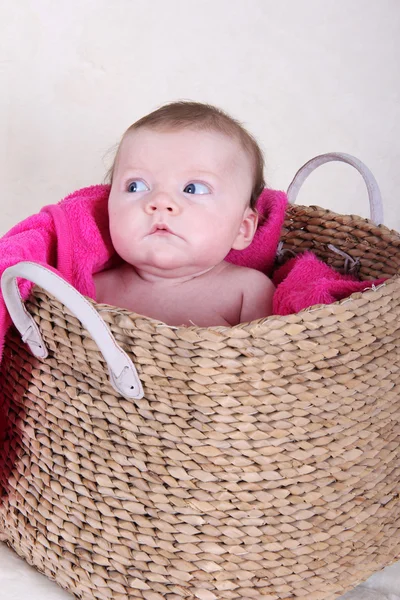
168 279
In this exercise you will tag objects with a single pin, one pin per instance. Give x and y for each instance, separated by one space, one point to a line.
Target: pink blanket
73 238
305 280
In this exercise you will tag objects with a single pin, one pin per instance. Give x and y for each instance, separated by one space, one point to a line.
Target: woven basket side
262 461
314 228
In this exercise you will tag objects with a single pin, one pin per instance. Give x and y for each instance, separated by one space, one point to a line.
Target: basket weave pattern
262 462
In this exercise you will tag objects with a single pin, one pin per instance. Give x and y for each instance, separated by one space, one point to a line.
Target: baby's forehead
200 143
184 133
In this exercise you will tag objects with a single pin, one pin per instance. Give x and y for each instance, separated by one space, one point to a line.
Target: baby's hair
196 115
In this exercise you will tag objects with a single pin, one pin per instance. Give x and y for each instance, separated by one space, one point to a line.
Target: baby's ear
247 230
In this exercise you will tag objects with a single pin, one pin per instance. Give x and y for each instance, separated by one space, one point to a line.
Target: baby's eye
196 188
137 186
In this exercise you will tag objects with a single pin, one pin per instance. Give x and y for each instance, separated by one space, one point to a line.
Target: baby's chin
169 261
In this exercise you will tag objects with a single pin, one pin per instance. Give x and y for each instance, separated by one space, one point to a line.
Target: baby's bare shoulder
247 276
257 293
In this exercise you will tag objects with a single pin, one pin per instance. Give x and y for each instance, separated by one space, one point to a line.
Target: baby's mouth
161 229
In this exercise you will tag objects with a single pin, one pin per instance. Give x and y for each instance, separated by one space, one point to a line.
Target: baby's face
179 200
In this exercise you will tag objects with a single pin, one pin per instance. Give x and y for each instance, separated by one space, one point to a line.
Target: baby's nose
161 201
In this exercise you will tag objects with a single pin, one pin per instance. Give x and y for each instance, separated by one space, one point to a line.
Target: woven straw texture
263 461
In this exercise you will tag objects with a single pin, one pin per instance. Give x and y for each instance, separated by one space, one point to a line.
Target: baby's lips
160 227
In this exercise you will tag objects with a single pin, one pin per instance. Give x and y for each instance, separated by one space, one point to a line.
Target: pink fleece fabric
73 238
305 280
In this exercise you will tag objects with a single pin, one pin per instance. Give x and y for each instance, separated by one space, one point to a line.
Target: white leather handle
123 374
374 194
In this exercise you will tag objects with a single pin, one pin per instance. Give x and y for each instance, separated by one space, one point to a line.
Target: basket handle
123 374
374 194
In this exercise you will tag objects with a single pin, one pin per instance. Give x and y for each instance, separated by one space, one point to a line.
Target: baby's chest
199 305
207 302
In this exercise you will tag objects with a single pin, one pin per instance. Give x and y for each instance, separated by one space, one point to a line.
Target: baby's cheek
215 248
121 235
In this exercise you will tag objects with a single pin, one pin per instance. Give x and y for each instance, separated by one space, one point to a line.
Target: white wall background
305 76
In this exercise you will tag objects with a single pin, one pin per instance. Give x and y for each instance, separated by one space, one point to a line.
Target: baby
184 185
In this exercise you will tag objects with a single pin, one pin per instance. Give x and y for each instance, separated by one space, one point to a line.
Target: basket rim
342 218
298 317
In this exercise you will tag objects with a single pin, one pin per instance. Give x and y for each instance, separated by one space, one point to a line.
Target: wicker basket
262 461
